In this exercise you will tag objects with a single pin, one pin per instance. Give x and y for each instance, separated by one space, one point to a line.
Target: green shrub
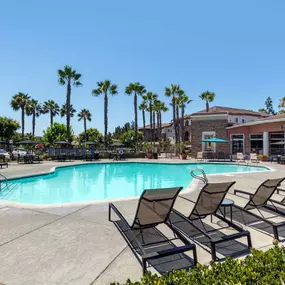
262 268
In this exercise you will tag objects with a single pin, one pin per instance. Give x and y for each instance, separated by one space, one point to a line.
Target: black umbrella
90 143
29 142
61 142
117 144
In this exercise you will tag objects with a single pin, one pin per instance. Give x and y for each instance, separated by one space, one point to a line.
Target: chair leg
144 266
275 232
213 251
249 241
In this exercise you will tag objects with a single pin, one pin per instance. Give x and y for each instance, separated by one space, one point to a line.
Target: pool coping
96 202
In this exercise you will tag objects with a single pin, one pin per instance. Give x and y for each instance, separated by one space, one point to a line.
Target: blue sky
233 48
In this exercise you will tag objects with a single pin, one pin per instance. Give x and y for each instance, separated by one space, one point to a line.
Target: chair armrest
186 199
243 192
230 237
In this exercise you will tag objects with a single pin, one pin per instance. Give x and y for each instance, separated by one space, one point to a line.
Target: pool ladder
5 180
202 178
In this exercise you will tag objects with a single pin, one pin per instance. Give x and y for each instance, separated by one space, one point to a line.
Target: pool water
107 180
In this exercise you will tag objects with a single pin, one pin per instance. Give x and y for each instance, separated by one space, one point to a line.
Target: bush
260 267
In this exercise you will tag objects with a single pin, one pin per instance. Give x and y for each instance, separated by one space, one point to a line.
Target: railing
198 176
1 181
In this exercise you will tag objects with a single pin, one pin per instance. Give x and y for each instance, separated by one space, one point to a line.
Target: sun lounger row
196 228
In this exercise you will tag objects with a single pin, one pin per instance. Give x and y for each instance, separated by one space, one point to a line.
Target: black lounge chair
221 156
3 161
200 231
260 208
146 240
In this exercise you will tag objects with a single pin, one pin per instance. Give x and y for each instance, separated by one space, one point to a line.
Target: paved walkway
77 244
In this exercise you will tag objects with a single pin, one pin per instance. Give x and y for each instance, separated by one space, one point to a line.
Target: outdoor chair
96 156
61 157
260 210
37 159
3 161
221 156
89 156
253 158
240 157
203 232
200 156
282 159
28 158
146 240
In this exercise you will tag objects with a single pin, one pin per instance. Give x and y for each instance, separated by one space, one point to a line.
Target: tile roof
163 125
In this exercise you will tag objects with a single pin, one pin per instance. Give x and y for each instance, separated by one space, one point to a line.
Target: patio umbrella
279 143
61 142
30 142
215 140
117 144
90 143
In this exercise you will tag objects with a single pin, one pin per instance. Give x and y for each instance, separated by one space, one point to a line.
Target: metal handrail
5 179
197 176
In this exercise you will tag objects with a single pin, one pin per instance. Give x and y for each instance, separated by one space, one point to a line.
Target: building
264 136
214 123
167 132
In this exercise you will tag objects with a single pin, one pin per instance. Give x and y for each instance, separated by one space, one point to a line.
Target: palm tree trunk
182 125
136 117
85 128
153 121
160 123
143 115
158 128
177 123
174 119
23 122
207 105
68 95
105 117
150 121
34 122
51 118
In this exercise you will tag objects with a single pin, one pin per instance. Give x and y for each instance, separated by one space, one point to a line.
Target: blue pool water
105 181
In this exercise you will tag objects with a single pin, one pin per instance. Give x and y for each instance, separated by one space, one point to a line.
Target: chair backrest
239 156
263 193
253 156
155 206
200 155
221 155
210 198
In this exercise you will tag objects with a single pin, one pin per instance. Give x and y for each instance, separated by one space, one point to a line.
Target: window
186 123
243 121
256 143
276 143
237 143
236 120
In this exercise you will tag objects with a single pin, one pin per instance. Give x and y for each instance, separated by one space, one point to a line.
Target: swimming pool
102 181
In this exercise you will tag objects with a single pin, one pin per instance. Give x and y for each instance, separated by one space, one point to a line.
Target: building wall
199 126
246 118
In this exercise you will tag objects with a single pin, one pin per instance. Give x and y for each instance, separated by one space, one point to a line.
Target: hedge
258 268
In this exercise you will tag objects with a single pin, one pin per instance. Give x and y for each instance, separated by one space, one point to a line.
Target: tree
105 88
52 108
128 138
8 128
269 106
183 101
142 107
149 98
34 109
135 89
84 115
63 111
92 135
208 97
68 76
56 132
173 91
263 110
20 101
159 107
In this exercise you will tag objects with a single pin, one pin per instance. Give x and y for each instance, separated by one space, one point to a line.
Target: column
265 143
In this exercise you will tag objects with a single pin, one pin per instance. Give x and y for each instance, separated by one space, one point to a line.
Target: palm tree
173 91
20 101
63 111
135 89
52 108
159 107
183 100
69 77
85 115
105 88
142 108
208 97
150 97
34 109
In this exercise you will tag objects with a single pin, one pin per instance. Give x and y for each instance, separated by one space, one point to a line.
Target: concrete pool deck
76 244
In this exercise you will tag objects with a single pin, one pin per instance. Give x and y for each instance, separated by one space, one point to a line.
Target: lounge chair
146 240
212 239
3 161
260 210
240 157
200 156
253 158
